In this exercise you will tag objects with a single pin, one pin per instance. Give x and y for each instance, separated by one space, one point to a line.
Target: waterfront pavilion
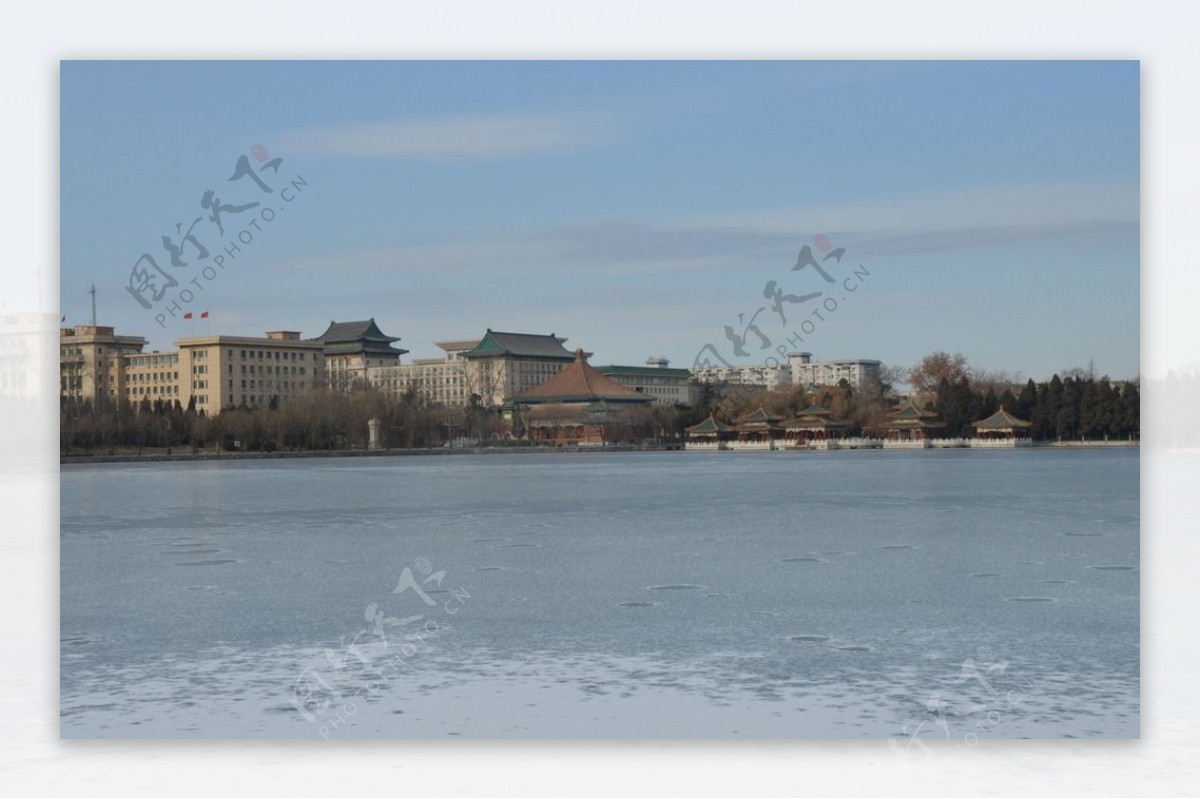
910 427
814 426
758 430
1001 429
709 434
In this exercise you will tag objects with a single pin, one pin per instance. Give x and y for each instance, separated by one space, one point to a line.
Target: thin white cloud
717 244
950 216
459 138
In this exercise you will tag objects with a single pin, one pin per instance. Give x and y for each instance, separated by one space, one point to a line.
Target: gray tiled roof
529 345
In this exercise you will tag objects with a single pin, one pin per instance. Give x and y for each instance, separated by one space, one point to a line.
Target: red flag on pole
187 315
204 314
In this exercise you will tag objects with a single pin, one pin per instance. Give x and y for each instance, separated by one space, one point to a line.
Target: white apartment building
755 376
858 373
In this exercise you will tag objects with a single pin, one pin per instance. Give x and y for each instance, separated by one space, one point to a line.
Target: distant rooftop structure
359 337
522 345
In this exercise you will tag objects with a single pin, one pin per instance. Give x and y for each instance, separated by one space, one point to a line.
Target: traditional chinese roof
760 419
814 417
709 427
911 417
1001 420
580 383
760 416
348 338
527 345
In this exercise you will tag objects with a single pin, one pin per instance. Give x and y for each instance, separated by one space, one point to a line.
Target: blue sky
635 207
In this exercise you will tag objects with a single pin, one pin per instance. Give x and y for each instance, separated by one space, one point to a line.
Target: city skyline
637 208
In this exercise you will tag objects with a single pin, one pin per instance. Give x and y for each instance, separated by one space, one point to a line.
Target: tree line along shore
1076 408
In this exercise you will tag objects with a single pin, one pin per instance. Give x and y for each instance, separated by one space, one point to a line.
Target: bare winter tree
935 367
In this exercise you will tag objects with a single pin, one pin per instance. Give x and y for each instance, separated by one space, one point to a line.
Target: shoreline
73 460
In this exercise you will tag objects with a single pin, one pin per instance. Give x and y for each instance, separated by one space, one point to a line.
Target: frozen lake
917 596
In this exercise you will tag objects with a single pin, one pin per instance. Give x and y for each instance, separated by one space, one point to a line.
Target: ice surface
840 594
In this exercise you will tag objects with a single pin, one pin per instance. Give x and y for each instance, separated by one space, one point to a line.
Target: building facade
442 381
229 371
754 376
92 362
665 385
153 376
859 373
216 372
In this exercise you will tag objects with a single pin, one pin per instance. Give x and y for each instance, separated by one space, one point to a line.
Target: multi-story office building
755 376
217 372
442 380
228 371
858 373
667 386
92 361
153 376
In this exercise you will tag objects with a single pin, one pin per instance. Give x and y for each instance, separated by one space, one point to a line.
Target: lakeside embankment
376 453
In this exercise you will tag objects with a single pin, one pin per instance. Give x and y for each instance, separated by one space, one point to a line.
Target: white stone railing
828 443
948 443
895 443
1000 443
705 445
860 442
752 445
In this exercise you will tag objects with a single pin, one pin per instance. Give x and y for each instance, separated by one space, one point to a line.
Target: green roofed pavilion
1002 425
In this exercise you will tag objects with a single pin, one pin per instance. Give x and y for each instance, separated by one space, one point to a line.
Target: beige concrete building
228 371
220 372
443 381
153 376
492 369
92 361
217 371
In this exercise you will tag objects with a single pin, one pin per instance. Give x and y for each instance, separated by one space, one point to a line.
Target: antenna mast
92 291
